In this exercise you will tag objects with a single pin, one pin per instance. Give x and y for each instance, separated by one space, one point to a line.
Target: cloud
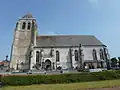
51 33
94 2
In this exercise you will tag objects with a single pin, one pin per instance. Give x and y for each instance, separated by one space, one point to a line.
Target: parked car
115 68
95 70
1 84
29 72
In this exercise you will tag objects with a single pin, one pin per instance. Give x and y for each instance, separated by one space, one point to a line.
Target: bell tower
24 40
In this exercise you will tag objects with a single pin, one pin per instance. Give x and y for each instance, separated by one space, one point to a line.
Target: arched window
57 56
29 25
37 56
24 25
16 25
94 54
51 52
76 55
101 54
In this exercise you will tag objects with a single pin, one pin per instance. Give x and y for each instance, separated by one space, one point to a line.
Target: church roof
28 16
67 40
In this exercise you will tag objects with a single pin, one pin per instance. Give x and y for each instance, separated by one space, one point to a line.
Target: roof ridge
65 35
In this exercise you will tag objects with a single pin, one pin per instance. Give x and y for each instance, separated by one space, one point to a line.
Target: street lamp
7 58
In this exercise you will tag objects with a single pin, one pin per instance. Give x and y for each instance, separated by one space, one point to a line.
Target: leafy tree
119 61
113 62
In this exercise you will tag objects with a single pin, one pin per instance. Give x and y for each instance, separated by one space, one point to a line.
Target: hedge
60 78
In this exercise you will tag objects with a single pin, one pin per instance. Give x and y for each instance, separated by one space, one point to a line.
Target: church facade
54 52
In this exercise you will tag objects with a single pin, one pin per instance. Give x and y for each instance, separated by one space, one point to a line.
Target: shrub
61 78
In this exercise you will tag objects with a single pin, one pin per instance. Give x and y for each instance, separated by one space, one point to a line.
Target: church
30 51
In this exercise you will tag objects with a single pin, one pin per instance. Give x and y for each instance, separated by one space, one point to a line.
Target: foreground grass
71 86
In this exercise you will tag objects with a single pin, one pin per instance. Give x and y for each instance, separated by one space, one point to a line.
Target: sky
84 17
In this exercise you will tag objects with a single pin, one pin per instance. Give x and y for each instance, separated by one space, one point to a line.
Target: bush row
61 78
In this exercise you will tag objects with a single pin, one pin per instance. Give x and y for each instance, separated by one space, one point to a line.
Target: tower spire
28 15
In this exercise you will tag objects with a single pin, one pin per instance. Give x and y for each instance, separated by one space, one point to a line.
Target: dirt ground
114 88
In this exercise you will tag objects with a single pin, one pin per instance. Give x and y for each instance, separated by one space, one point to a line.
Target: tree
119 61
113 62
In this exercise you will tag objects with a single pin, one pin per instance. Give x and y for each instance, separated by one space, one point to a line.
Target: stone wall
64 56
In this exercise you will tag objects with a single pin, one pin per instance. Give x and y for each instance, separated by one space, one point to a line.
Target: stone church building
31 51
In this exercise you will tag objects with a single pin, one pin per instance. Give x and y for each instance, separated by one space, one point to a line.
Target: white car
95 70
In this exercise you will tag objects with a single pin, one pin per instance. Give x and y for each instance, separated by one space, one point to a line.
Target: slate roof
66 40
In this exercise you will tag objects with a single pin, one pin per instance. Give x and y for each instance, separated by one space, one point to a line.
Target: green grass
71 86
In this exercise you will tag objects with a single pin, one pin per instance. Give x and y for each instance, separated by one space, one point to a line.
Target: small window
76 55
24 25
57 56
29 25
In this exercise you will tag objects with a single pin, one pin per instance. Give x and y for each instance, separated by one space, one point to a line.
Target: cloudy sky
95 17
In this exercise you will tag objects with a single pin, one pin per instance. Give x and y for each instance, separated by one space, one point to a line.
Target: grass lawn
71 86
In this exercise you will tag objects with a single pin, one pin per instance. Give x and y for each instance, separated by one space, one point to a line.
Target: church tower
23 42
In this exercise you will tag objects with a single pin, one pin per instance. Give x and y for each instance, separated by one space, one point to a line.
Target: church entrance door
47 65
